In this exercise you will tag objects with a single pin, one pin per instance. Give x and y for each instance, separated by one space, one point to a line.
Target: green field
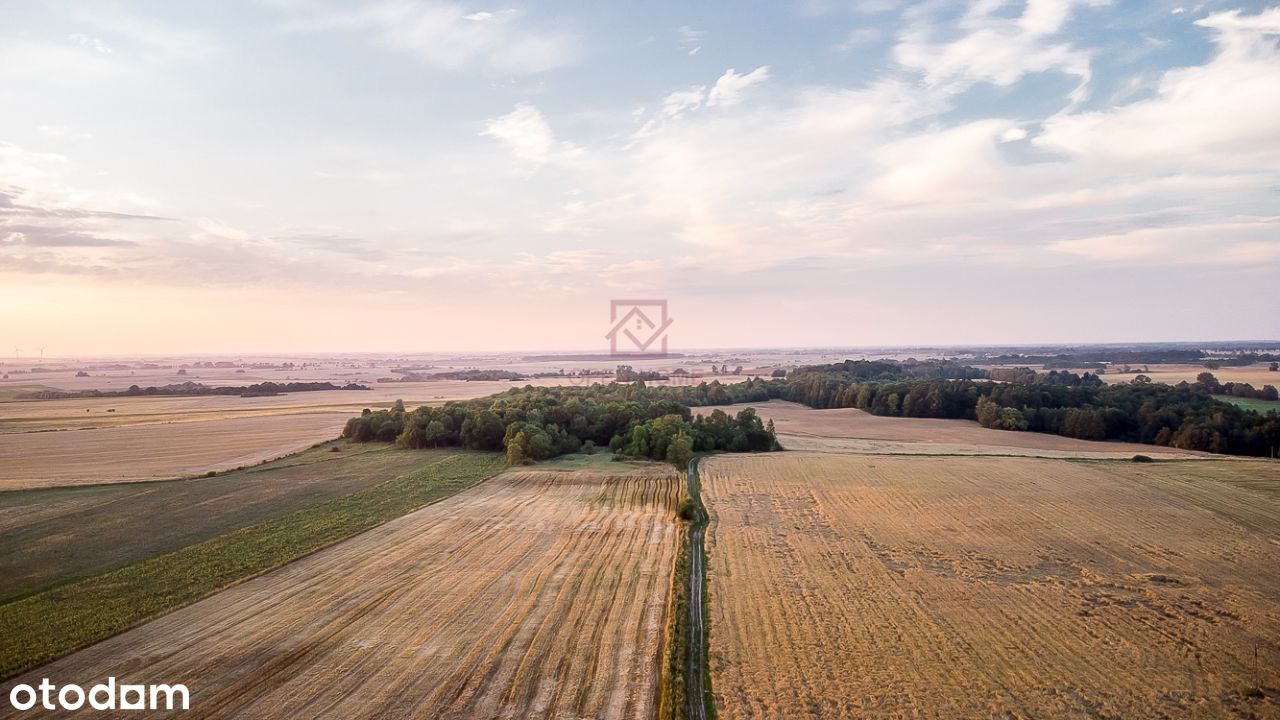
53 536
1262 406
39 627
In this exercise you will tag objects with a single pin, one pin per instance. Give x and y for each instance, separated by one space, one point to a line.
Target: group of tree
1209 383
628 374
196 389
1185 416
537 423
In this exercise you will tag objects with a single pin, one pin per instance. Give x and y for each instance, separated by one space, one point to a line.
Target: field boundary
685 685
54 622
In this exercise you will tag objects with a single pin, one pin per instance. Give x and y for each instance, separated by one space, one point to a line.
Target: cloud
145 36
690 39
729 88
1252 242
677 103
857 38
445 35
94 44
1013 134
1221 115
993 48
726 92
530 137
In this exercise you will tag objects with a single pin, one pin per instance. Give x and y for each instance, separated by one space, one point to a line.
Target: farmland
143 438
45 624
54 535
853 430
539 592
859 585
155 452
1256 374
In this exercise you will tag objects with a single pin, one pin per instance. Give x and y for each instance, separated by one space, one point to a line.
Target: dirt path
695 668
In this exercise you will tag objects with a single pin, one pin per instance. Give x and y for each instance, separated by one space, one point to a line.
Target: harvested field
1257 374
53 535
538 593
803 428
873 586
22 415
156 452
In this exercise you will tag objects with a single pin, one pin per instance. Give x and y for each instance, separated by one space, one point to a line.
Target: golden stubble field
50 443
1256 374
156 451
538 593
948 587
852 430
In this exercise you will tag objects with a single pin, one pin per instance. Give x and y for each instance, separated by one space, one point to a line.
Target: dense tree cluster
537 423
1209 383
626 374
1184 416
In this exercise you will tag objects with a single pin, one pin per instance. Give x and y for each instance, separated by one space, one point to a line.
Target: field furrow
874 586
535 594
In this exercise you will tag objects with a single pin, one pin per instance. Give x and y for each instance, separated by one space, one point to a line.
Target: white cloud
92 43
445 35
729 88
1013 134
1251 242
148 37
1221 115
689 37
530 138
995 49
857 38
677 103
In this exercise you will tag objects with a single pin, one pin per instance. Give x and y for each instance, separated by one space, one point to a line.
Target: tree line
538 423
1184 416
1209 383
195 389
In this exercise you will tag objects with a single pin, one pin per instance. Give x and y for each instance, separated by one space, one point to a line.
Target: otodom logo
103 696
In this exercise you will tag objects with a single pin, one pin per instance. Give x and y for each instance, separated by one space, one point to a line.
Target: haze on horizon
401 175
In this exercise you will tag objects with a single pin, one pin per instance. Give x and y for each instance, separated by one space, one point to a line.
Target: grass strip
50 624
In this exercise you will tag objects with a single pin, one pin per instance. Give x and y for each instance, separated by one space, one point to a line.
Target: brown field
874 586
89 413
56 535
852 430
156 452
123 439
1256 374
538 593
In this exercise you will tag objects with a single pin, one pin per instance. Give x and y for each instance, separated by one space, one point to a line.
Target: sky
404 175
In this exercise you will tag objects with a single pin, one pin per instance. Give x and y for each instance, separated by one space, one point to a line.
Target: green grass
11 392
41 627
52 536
1261 406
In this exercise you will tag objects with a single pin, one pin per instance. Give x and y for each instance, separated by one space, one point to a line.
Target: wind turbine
15 352
42 354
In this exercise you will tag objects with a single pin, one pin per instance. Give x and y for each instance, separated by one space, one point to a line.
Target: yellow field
48 443
156 452
852 430
1256 374
538 593
874 586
